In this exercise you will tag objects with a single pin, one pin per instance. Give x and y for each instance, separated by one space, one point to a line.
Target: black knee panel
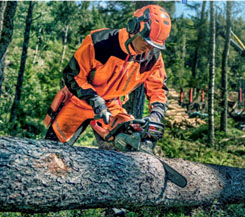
51 135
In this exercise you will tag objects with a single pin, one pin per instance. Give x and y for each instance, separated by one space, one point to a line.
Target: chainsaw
129 134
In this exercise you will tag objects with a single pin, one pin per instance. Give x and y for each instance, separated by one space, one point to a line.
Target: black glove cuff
100 108
156 116
97 103
159 108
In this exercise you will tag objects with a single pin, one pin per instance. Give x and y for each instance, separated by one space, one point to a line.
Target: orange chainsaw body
104 129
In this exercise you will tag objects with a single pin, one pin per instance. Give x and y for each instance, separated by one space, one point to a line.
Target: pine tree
16 103
6 31
211 76
224 74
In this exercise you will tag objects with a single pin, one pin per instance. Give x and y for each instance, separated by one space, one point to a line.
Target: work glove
100 109
157 112
154 116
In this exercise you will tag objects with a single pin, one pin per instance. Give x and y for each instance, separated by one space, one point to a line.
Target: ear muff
133 26
145 31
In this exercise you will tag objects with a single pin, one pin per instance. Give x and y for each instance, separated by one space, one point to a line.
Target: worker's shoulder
104 34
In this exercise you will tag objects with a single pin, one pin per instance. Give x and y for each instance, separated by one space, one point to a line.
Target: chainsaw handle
98 129
145 123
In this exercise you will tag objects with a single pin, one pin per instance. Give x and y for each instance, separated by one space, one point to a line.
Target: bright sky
181 8
238 8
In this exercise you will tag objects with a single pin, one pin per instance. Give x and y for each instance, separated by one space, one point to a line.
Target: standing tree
3 5
7 12
16 102
224 104
200 39
211 76
66 14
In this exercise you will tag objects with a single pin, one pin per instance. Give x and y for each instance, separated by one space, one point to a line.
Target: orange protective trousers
71 117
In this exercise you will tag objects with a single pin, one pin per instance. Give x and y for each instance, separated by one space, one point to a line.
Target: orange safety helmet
153 23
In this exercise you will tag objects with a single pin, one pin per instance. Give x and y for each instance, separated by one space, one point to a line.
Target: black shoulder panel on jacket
69 74
106 44
150 61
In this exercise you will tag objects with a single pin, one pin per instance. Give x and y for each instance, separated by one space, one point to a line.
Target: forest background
58 28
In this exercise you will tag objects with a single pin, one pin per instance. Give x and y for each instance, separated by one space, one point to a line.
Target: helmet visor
154 44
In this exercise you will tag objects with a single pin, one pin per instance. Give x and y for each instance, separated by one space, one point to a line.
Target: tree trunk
6 31
37 45
183 55
198 45
135 104
211 76
3 5
16 102
43 176
64 43
224 103
199 39
1 73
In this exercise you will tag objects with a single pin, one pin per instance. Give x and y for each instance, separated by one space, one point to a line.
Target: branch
42 176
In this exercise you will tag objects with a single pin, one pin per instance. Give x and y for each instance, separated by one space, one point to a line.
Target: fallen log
42 176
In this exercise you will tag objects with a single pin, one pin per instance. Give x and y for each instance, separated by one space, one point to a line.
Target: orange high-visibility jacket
102 66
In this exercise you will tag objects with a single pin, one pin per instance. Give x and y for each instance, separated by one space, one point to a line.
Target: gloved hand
100 108
157 112
154 116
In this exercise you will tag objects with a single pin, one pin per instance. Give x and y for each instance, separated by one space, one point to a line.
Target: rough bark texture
8 26
38 44
3 5
211 76
16 102
6 31
199 39
224 73
64 43
42 176
135 104
1 73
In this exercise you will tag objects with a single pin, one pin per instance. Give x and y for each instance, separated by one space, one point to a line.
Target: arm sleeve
155 84
76 72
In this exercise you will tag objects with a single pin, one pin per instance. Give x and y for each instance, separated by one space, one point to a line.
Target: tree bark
199 40
43 176
16 102
6 31
8 26
3 5
224 74
136 102
39 41
64 43
2 73
211 76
